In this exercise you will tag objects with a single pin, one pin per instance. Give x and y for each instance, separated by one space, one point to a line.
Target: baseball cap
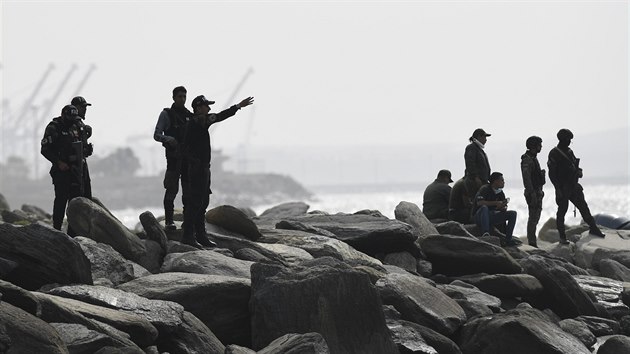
480 132
445 173
79 101
199 100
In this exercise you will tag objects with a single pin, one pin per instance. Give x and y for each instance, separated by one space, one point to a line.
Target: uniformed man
565 172
197 154
81 105
169 131
533 181
64 146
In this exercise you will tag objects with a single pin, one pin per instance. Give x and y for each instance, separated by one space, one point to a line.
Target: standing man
197 153
169 130
477 170
533 181
81 105
565 172
436 196
63 146
491 208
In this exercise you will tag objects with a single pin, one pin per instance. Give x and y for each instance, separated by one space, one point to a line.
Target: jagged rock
404 260
107 263
232 219
140 330
234 244
453 255
248 254
319 296
421 302
19 298
614 270
506 285
368 234
236 349
579 330
166 316
591 249
292 255
473 309
285 210
607 292
599 326
452 228
459 290
93 221
154 231
43 255
615 345
307 343
21 332
411 214
370 212
561 291
316 245
81 340
517 331
206 262
192 336
4 205
38 212
299 226
220 302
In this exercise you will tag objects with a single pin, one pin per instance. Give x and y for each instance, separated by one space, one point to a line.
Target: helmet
564 134
69 111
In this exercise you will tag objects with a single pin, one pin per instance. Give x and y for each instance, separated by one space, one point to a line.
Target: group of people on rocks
185 137
478 196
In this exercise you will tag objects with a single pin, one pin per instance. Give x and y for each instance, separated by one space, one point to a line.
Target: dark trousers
197 199
175 170
67 187
460 215
575 196
534 206
485 218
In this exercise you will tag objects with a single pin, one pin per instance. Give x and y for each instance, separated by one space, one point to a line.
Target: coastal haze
365 97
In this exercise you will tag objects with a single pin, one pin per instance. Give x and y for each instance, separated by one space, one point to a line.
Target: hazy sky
334 73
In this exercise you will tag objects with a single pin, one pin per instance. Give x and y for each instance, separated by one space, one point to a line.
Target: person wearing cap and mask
477 170
57 147
491 208
169 131
196 152
564 173
533 181
88 148
436 197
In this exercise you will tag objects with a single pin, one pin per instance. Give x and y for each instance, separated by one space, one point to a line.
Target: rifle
77 168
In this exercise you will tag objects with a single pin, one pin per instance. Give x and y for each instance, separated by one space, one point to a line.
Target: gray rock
420 302
299 226
473 309
599 326
453 255
414 338
6 267
81 340
4 205
591 249
580 330
21 332
319 296
459 290
285 210
17 217
38 212
453 228
43 255
291 343
411 214
220 302
154 230
517 331
233 219
192 336
93 221
237 349
614 270
561 291
615 345
248 254
292 255
506 285
107 263
19 298
404 260
607 292
235 243
206 262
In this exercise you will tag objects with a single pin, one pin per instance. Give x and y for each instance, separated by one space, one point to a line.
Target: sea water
609 199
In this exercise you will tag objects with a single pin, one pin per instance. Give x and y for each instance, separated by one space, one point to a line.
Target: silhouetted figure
460 204
491 208
564 173
169 130
197 154
436 197
477 165
81 105
533 181
65 146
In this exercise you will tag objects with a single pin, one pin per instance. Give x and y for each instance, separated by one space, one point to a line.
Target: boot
168 220
190 241
205 241
594 230
563 237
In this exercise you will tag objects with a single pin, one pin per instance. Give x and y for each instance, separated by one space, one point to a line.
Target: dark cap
199 100
445 173
69 110
480 132
79 101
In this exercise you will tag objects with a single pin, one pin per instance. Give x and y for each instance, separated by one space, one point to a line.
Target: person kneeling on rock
491 208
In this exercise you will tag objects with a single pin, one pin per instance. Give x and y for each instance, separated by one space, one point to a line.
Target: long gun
77 168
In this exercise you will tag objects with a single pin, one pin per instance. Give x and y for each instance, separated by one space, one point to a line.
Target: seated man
459 204
491 208
436 196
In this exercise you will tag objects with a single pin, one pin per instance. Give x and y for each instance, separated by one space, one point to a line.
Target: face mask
498 190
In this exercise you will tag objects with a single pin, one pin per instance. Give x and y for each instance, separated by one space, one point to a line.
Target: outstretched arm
223 115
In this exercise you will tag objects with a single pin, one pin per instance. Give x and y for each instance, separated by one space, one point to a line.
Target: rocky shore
292 280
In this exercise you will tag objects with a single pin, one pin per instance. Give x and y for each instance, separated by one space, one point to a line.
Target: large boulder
518 331
292 343
43 256
369 234
579 330
319 296
192 336
285 210
93 221
591 249
461 291
21 332
154 230
4 205
19 297
615 345
414 338
81 340
453 228
206 262
421 302
453 255
299 226
220 302
107 263
614 270
411 214
506 285
233 219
